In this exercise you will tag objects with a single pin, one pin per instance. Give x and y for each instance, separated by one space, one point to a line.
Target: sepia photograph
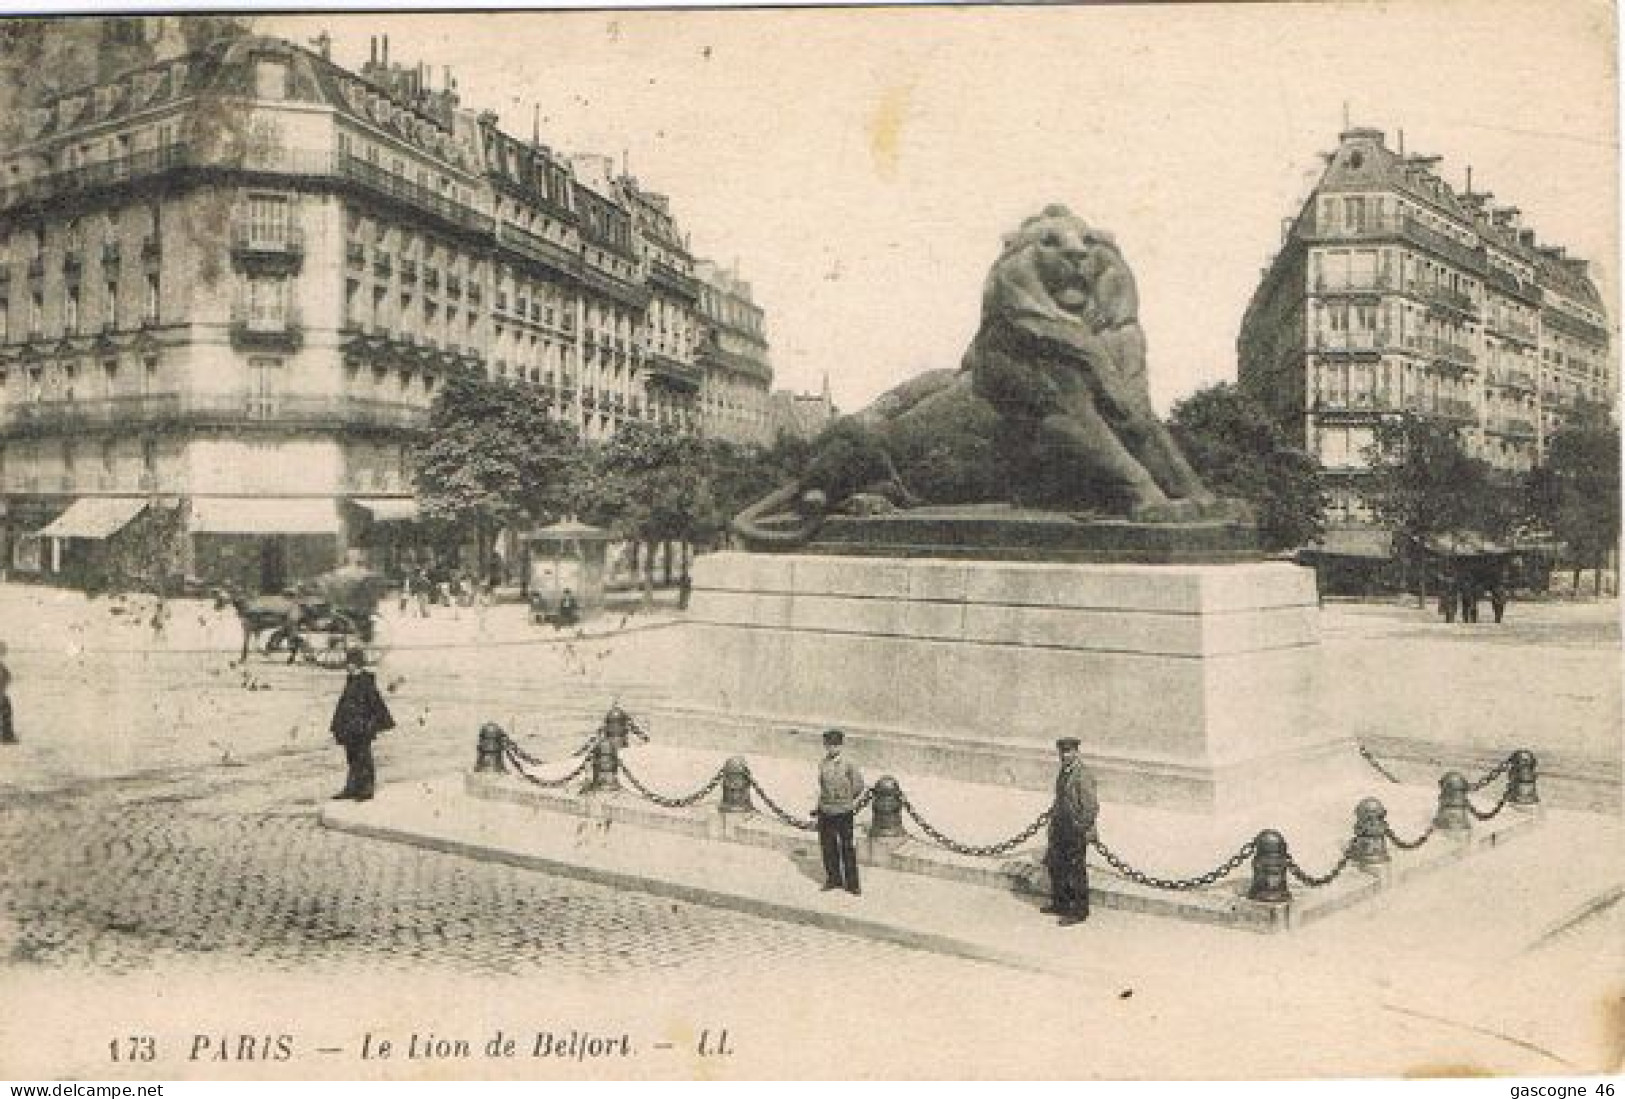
924 542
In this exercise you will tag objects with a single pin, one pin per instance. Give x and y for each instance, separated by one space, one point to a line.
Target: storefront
264 544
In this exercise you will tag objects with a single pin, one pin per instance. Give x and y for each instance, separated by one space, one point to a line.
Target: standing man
359 717
840 784
8 731
1071 830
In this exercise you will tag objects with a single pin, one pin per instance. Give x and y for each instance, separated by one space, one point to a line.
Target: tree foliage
1425 485
494 456
653 484
1575 492
1237 448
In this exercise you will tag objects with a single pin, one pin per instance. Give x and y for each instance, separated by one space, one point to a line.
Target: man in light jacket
840 784
1071 830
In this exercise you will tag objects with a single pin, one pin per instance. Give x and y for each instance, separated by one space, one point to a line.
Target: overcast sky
861 165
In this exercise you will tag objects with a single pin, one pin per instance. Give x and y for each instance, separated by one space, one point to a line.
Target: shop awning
388 509
94 517
264 515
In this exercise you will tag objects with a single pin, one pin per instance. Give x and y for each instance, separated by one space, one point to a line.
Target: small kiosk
567 556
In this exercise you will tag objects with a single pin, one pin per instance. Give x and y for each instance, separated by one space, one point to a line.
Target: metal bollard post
1370 833
616 724
606 767
1453 815
736 787
489 756
1522 789
1270 860
886 810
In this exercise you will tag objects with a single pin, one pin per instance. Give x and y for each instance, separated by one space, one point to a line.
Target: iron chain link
670 803
1482 814
1224 869
518 758
1502 768
1407 845
986 851
1316 881
773 807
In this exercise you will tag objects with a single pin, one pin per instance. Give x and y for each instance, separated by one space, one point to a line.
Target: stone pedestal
1190 686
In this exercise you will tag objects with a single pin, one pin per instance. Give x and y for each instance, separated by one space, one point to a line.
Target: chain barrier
773 807
1502 768
514 751
670 803
517 758
1224 869
1314 881
1376 765
1407 845
1482 814
986 851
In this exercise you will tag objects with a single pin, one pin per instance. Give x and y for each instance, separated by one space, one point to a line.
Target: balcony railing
89 177
1445 297
1448 408
538 249
686 286
1353 342
1371 284
1512 330
227 409
1512 379
280 247
262 328
1452 353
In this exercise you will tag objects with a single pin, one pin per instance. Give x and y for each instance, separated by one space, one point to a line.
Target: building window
267 219
110 296
70 313
270 78
267 304
149 312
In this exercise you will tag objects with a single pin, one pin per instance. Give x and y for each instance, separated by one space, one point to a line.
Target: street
158 834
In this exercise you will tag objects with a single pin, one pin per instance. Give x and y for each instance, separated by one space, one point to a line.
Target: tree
495 457
1575 492
1425 485
653 484
1238 449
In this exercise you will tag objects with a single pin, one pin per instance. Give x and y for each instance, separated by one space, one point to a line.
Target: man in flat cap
1071 829
840 784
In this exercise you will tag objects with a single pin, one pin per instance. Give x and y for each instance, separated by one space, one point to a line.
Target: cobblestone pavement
125 877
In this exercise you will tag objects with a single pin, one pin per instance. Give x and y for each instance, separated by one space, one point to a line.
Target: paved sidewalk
1447 946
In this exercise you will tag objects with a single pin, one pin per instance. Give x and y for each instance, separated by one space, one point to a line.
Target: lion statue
1049 408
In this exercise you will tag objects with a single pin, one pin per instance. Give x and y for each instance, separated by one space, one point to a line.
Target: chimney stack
386 51
373 60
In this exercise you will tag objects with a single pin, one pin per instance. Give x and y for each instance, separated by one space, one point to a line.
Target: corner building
232 282
1395 295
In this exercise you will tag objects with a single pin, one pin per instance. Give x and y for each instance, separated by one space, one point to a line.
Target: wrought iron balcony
206 410
1451 353
267 247
279 330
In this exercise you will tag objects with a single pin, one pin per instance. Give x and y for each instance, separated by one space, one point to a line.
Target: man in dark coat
359 717
1071 830
8 731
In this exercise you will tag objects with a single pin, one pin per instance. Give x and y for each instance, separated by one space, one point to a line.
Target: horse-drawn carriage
318 623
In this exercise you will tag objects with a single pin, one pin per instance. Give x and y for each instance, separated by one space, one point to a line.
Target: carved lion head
1056 267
